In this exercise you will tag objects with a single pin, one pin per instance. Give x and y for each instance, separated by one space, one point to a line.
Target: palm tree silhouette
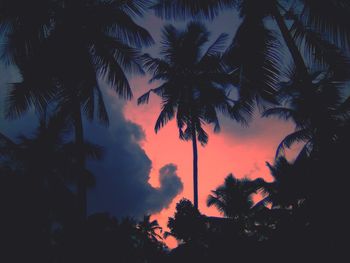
194 88
64 49
36 175
307 17
149 228
315 36
286 191
318 110
234 198
47 157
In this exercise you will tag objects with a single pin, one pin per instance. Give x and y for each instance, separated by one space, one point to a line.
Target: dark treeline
288 59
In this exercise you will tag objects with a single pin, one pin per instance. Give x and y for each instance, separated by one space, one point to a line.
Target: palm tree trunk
195 167
293 49
79 141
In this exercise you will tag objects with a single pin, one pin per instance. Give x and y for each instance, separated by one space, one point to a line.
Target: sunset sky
238 150
144 172
242 151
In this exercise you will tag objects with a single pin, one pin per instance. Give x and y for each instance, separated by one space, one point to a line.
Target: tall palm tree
194 85
235 197
63 49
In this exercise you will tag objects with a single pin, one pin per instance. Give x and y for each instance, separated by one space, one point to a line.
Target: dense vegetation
65 49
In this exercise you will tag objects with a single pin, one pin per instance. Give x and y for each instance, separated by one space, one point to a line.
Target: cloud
122 186
170 186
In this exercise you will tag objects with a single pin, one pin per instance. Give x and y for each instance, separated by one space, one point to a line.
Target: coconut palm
64 50
44 163
194 85
47 155
318 110
149 228
327 16
292 182
318 33
235 197
36 174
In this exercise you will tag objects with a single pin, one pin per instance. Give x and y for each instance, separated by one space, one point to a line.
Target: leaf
181 9
297 136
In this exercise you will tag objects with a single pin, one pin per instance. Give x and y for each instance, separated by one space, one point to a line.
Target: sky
239 150
148 173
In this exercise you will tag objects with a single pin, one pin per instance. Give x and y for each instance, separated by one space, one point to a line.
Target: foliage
187 224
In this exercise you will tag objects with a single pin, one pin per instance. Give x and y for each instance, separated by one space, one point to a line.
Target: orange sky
231 151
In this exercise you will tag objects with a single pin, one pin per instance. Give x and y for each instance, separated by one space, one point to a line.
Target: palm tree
63 49
319 110
292 182
149 228
318 33
194 85
35 175
235 197
47 158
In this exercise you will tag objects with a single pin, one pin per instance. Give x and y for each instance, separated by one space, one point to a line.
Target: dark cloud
122 186
170 186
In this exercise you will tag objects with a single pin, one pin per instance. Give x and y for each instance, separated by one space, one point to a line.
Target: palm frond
109 69
330 17
181 9
218 46
257 62
158 67
101 108
144 99
165 115
280 112
24 29
129 58
22 96
242 111
202 135
135 7
295 137
215 201
319 49
126 29
88 103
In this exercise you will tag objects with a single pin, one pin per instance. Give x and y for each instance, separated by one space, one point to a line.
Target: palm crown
194 84
64 50
75 44
235 197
